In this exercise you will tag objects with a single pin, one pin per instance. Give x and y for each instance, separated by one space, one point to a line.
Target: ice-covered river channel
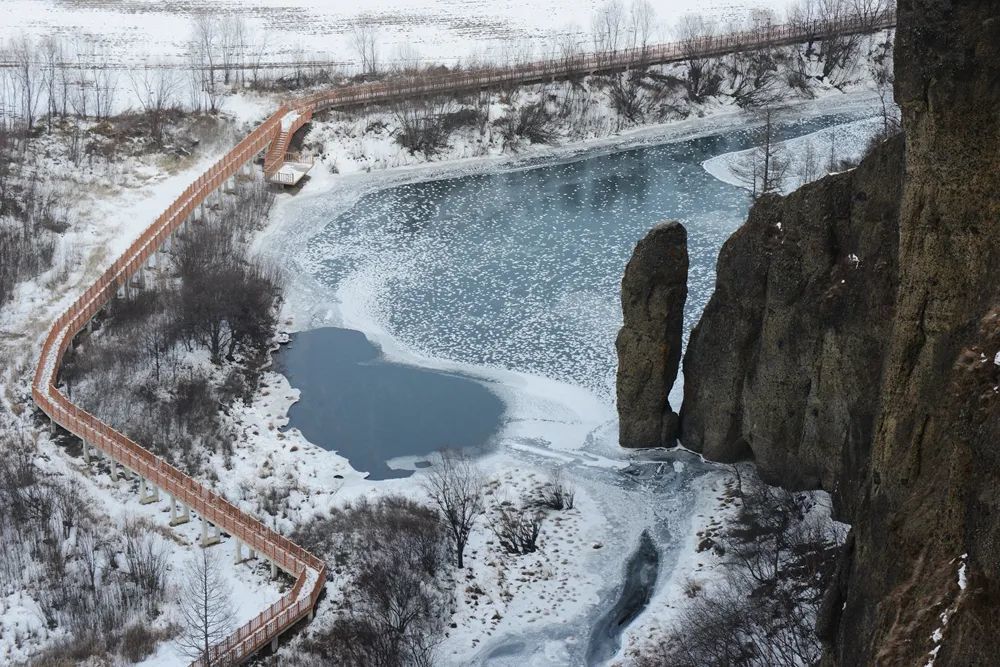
507 279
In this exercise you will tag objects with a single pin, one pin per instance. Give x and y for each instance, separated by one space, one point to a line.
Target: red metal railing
272 137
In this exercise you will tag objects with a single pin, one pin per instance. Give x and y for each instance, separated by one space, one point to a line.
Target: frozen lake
372 410
511 277
521 270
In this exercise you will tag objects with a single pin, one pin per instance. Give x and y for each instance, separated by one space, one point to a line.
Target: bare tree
364 39
206 607
871 12
809 168
204 58
804 17
456 488
753 69
694 33
608 27
641 19
28 77
839 48
763 170
155 87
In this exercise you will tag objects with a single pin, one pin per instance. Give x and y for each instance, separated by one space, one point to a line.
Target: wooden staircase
290 124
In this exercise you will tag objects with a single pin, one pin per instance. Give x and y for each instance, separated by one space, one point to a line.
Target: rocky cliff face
649 344
926 556
788 353
853 344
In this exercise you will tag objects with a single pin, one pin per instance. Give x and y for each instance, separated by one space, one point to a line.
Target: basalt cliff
853 344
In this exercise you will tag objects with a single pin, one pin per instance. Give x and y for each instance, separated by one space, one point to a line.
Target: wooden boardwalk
271 138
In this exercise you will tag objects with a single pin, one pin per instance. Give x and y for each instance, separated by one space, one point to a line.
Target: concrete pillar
148 493
175 519
253 554
274 570
114 470
86 453
206 539
238 555
274 645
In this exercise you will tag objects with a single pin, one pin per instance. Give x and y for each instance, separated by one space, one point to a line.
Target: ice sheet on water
522 269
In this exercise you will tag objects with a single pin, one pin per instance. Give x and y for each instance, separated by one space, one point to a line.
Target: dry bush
556 493
392 552
94 590
516 528
532 121
424 124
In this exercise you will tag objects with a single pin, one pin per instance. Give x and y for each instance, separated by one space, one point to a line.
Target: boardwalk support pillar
86 453
238 552
148 493
206 539
176 520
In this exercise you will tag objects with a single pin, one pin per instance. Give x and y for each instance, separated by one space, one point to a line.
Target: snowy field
435 30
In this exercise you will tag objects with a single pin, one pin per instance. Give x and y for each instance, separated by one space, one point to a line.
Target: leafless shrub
516 528
531 121
392 552
703 79
626 93
145 561
556 493
424 124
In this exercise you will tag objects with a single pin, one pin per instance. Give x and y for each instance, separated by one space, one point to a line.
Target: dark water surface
371 410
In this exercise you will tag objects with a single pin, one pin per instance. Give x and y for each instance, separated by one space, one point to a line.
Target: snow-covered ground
537 611
135 31
111 206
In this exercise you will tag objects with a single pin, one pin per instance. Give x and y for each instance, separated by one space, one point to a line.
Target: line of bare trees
100 589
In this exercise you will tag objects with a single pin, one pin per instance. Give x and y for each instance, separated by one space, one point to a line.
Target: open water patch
640 580
371 410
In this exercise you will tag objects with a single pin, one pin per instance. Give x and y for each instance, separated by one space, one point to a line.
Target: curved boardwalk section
272 138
